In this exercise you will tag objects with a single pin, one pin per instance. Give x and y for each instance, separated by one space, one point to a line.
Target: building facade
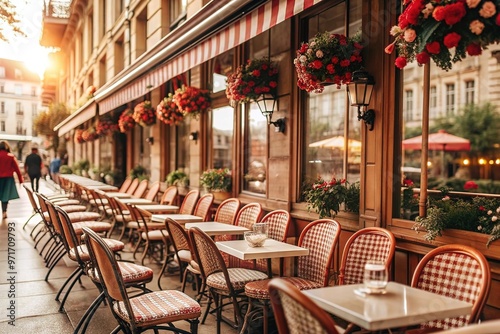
117 54
20 91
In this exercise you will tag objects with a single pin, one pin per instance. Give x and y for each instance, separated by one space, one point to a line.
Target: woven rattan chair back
295 313
227 211
249 215
142 188
152 191
169 196
126 183
456 271
189 203
371 243
133 186
204 206
320 237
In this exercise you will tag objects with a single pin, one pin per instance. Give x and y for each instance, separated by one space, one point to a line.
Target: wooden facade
380 156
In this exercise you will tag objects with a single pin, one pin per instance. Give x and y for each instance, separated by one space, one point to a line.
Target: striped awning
249 26
86 112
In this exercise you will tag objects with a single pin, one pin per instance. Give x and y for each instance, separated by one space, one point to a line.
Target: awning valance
86 112
247 27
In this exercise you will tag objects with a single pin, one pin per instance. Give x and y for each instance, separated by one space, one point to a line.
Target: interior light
466 162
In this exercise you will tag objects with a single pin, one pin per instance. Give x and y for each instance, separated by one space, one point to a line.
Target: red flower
400 62
168 112
191 100
317 64
144 114
433 47
423 57
474 49
470 185
454 13
345 63
451 40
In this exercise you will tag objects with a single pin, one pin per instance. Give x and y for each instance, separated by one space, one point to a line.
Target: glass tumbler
375 277
260 228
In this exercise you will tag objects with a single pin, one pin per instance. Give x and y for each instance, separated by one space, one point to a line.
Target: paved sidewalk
27 300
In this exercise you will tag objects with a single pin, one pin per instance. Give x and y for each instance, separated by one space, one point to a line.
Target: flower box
474 239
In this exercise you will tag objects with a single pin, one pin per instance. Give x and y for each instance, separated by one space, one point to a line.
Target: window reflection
255 151
222 136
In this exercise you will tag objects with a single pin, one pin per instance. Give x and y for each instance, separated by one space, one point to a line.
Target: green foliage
65 169
479 214
139 172
45 122
326 197
352 197
216 179
82 165
177 178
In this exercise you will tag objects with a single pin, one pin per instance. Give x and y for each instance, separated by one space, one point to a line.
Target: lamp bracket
368 116
279 125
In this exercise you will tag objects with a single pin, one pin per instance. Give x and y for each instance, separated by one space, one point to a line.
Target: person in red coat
8 166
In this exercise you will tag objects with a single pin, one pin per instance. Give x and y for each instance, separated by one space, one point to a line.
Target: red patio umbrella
440 141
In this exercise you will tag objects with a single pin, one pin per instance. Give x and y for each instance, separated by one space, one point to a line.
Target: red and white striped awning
249 26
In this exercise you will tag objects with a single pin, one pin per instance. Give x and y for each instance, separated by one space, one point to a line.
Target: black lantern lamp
266 103
360 91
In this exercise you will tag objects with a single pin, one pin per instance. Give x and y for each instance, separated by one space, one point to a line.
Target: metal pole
422 204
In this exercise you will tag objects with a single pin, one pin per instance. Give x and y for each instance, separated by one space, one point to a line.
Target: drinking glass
375 277
260 228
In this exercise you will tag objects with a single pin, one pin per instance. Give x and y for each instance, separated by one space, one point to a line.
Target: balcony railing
57 9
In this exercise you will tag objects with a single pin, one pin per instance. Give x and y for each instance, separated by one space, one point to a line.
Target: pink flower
409 35
476 27
319 54
472 3
488 10
389 48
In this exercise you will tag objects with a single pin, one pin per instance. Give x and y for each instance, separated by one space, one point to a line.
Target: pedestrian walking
33 167
8 166
54 167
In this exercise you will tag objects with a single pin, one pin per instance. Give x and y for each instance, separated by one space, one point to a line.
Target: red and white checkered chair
154 310
247 216
297 313
370 243
312 270
485 327
456 271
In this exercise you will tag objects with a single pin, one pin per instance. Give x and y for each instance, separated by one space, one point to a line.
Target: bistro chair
370 243
141 189
133 186
189 202
204 206
226 213
156 310
221 282
296 313
247 216
311 271
183 255
169 196
151 240
126 183
456 271
75 250
152 191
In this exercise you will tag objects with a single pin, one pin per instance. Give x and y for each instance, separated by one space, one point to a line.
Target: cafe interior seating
456 271
221 282
294 312
156 310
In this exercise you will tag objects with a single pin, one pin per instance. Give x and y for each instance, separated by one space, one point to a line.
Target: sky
27 49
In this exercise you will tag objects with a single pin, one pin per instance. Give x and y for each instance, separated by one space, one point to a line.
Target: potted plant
192 101
177 178
325 197
479 214
433 29
139 172
168 112
249 82
327 59
126 122
144 114
218 181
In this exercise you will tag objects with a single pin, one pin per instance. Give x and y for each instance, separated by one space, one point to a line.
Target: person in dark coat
33 167
8 166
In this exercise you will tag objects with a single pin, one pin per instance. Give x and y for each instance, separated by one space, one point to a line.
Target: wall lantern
266 103
150 140
360 91
193 136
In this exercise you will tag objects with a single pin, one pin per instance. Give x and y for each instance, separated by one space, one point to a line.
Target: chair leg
73 274
89 313
54 263
63 301
27 221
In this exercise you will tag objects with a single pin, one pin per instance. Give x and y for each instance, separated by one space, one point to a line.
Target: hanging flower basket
249 82
105 126
78 136
126 122
191 100
327 59
168 112
144 114
89 134
436 29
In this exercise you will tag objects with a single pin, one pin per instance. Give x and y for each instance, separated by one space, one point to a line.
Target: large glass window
332 133
222 137
255 150
450 99
469 91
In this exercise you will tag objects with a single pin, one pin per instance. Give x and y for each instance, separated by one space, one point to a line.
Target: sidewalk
27 300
